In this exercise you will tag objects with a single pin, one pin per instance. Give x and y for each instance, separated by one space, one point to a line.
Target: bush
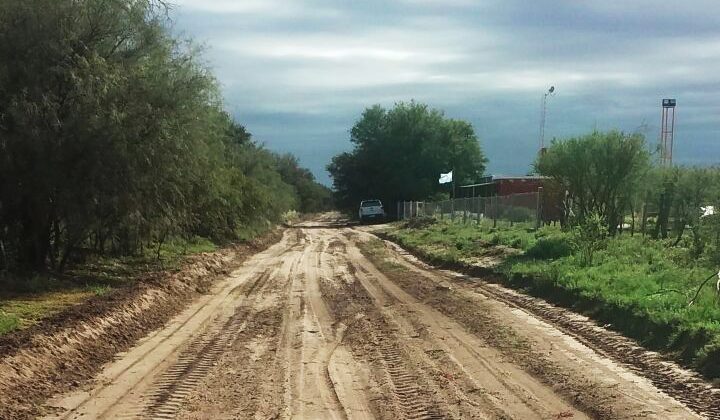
8 322
550 247
589 237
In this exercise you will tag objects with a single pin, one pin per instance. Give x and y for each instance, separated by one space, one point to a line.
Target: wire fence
510 209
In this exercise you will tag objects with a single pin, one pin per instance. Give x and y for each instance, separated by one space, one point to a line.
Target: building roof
488 180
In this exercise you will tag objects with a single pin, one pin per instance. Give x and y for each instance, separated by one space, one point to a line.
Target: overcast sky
298 73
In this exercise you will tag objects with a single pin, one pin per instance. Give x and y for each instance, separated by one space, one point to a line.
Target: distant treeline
113 137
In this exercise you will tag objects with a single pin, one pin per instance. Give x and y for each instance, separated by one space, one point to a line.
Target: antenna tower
667 131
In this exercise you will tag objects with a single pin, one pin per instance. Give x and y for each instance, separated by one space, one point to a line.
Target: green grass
26 300
641 287
8 322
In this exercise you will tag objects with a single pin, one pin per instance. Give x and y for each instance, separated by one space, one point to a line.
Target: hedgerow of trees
610 175
113 138
399 154
600 172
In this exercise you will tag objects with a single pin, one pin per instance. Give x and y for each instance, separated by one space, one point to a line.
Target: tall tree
399 154
601 172
113 137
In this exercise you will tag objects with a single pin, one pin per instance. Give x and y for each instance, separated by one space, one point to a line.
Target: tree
601 171
399 154
313 197
113 137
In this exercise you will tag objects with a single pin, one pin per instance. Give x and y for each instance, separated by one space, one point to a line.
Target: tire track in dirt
461 292
310 337
124 384
405 384
315 329
246 379
179 381
373 342
496 388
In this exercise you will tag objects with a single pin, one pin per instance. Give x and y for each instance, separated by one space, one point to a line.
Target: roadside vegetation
636 248
399 154
115 148
640 286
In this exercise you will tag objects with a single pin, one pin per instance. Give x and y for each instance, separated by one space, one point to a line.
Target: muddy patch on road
541 350
63 352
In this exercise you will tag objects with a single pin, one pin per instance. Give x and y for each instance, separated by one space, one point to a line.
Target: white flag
708 211
445 178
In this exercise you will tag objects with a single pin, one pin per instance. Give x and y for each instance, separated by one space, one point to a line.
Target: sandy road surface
316 327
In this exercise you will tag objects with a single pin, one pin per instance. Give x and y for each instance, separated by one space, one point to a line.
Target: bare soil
479 284
66 350
331 323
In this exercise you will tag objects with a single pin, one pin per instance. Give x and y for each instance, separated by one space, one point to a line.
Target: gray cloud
298 73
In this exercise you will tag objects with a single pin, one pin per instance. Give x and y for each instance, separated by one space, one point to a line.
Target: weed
8 322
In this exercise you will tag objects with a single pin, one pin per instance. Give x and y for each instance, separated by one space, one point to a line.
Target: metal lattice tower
667 131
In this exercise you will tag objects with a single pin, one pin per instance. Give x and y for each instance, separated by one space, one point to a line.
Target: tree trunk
35 246
3 256
681 231
663 217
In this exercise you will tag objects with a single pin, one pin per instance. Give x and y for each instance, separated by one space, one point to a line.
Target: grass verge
26 300
638 286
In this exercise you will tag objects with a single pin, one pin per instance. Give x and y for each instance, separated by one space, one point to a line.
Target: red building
498 185
517 191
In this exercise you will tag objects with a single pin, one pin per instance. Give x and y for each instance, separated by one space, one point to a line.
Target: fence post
495 205
464 210
643 219
538 212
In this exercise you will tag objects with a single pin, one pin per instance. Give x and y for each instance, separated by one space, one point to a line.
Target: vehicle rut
314 328
179 381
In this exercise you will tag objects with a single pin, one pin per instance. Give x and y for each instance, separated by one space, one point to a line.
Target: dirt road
331 323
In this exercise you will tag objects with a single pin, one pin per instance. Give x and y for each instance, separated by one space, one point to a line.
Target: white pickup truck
371 210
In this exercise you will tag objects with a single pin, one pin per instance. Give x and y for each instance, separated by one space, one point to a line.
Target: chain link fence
510 209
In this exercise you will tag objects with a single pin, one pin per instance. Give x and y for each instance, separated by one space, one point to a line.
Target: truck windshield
371 203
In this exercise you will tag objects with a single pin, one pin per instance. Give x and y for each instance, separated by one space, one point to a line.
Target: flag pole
453 182
452 207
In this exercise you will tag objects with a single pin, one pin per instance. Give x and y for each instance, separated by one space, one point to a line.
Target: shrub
8 322
589 237
550 247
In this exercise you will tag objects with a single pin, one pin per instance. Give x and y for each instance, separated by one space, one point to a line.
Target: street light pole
543 113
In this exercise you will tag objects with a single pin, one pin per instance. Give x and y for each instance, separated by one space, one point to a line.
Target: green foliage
313 197
113 139
600 171
400 153
550 247
677 195
8 322
589 237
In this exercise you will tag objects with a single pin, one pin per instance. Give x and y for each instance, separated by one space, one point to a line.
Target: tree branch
697 293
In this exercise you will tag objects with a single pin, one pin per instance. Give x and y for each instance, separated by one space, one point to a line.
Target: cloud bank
298 73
